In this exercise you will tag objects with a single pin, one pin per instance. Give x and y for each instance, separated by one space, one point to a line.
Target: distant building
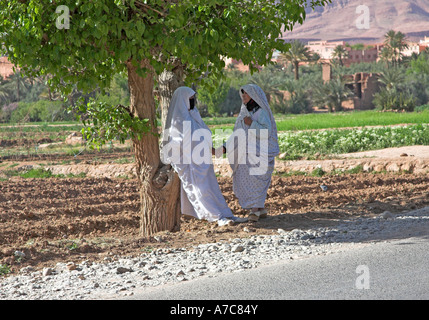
237 64
6 67
361 56
416 47
324 49
363 85
425 42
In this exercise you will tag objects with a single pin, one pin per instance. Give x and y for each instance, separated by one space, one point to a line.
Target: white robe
201 196
251 179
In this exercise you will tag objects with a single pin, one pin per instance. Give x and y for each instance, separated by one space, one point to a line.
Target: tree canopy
102 35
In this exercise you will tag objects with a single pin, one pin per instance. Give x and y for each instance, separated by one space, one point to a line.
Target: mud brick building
363 85
362 56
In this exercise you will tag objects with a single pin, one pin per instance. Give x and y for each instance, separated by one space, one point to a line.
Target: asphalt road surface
381 271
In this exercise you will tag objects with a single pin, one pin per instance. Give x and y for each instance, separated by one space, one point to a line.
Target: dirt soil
75 219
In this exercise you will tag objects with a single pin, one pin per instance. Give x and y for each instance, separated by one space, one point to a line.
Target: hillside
337 21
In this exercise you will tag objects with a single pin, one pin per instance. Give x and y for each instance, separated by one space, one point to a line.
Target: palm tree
16 84
341 53
396 41
269 83
297 53
392 79
332 94
299 99
4 94
386 55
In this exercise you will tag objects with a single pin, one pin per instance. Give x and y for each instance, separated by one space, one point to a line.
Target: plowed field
74 219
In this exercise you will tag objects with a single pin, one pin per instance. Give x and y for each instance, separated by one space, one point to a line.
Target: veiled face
245 97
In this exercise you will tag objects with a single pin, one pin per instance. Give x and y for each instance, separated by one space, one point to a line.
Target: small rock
19 254
180 273
27 269
158 238
47 271
71 266
121 270
386 215
238 249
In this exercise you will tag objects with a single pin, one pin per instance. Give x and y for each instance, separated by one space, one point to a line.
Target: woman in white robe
187 146
253 164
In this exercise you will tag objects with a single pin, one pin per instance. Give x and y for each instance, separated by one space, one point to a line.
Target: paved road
393 270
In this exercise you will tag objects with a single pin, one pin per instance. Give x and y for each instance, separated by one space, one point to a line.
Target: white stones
47 272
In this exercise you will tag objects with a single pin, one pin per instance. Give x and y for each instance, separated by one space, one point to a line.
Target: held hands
218 152
248 120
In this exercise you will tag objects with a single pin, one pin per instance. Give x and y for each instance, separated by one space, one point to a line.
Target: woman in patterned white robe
253 166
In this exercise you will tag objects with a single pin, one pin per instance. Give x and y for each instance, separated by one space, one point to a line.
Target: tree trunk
159 184
168 82
296 68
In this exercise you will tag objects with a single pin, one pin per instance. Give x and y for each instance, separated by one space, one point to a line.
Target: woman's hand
248 120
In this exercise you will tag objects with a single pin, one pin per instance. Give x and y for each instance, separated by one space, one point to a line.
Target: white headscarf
258 95
175 130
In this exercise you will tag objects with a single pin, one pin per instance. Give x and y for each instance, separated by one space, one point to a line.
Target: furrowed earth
56 219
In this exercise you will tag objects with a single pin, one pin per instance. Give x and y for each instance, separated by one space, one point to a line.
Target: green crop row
327 142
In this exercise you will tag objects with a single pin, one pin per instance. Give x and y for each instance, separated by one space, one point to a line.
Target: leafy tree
213 98
106 37
357 46
421 64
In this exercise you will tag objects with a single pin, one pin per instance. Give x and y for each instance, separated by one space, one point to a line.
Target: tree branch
150 8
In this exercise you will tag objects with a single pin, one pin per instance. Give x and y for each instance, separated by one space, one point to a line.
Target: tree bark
159 184
296 69
168 82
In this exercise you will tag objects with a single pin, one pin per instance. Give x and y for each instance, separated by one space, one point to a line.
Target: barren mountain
369 20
